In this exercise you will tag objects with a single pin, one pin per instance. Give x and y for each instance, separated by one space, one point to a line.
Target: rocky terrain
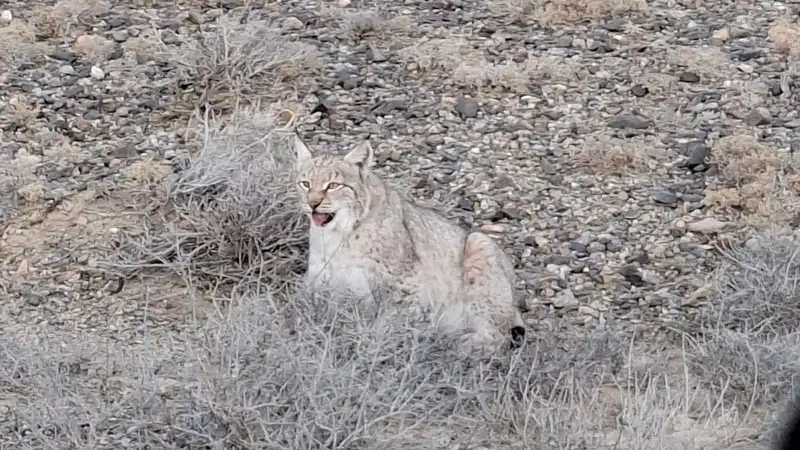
636 158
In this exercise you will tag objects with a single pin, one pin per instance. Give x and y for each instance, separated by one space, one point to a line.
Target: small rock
97 73
698 152
87 44
633 275
615 25
639 90
375 55
628 120
23 268
467 107
566 300
775 88
493 228
664 196
196 18
343 3
597 247
579 247
759 116
347 80
740 33
63 55
292 24
66 70
511 213
6 16
708 225
720 36
689 77
120 36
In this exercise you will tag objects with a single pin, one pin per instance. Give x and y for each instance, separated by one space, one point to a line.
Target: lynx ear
303 153
361 156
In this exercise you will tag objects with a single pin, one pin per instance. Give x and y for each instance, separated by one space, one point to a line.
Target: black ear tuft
517 336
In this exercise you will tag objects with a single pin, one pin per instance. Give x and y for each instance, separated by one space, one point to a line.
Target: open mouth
322 219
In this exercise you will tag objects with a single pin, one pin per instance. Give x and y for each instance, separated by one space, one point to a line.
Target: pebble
666 197
759 116
566 300
707 226
97 73
467 107
292 24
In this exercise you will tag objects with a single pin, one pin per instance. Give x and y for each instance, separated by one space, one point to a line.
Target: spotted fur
461 281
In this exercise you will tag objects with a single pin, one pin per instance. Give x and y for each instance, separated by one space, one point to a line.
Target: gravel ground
612 146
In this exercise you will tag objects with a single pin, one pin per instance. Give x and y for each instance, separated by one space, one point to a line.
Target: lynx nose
314 199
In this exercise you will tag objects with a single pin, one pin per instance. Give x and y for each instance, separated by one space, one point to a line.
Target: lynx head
334 190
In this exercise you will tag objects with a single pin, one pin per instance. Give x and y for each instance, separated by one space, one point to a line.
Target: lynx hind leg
489 291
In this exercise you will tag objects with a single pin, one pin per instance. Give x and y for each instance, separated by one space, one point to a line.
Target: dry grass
368 24
93 47
22 111
603 155
760 181
439 55
18 44
551 13
742 159
466 65
749 350
309 373
239 64
708 62
231 212
275 368
65 17
785 38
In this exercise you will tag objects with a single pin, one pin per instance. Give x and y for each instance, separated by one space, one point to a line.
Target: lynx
365 235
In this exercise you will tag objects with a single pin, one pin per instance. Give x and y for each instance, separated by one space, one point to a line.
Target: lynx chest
332 265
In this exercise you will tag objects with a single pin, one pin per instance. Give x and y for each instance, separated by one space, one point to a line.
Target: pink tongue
319 218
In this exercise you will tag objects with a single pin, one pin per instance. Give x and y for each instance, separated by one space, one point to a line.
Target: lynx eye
333 186
304 184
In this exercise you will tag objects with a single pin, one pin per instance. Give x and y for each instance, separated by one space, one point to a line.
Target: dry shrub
231 213
17 171
708 62
515 76
22 111
761 181
63 18
93 47
759 287
312 372
604 155
749 347
562 12
239 64
436 55
457 58
785 38
18 45
309 373
746 370
147 171
368 23
742 159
